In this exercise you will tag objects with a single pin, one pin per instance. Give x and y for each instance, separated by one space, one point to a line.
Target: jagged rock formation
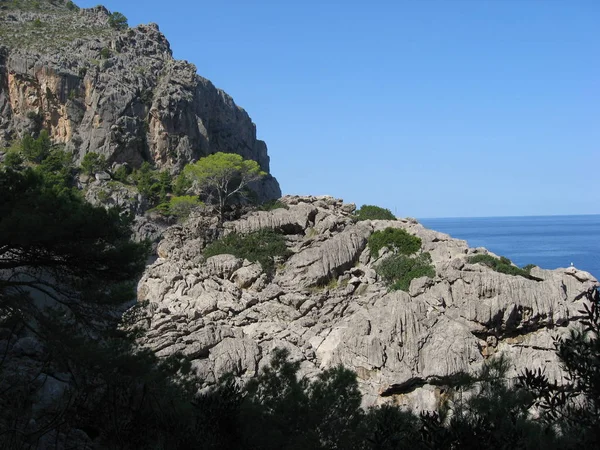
327 305
117 93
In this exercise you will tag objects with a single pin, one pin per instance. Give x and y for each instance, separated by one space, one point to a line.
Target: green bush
501 265
395 239
92 163
13 160
121 174
118 21
36 150
57 167
260 246
399 270
182 185
105 53
180 207
151 183
72 6
371 212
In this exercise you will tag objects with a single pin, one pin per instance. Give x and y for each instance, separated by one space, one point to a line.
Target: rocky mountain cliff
116 92
327 305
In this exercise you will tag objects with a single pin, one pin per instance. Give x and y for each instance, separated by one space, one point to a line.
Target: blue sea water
546 241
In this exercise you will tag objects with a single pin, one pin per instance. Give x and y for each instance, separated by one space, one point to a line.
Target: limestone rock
327 306
117 93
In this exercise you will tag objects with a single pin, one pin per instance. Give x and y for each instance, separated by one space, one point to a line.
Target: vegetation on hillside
371 212
396 239
56 24
501 265
222 178
398 270
263 246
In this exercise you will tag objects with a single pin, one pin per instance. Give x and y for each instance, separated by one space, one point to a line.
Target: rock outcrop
118 93
327 306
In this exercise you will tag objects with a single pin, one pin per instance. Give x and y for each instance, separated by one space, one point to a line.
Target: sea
549 242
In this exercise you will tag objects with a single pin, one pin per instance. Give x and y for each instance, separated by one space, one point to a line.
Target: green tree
92 163
283 411
118 21
222 178
573 405
36 150
151 183
53 242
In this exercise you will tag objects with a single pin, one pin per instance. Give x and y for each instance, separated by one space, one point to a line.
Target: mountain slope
116 92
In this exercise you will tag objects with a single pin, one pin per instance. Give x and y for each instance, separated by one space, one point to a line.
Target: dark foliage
262 246
573 406
371 212
502 265
118 21
396 239
399 270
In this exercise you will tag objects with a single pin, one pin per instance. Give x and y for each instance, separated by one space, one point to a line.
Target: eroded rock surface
327 306
118 93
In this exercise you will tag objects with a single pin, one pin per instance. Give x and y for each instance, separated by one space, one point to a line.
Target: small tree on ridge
222 177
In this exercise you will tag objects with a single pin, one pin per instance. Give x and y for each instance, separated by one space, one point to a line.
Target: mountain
102 87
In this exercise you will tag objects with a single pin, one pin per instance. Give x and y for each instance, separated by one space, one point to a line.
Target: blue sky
454 108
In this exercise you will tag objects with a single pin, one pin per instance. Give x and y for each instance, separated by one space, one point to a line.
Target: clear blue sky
449 108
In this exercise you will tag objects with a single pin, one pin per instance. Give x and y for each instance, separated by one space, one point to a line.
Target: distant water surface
546 241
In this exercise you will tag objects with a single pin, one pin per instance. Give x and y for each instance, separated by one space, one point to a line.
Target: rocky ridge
327 305
119 93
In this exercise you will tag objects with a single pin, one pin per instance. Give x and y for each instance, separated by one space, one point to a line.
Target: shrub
182 185
93 162
121 174
72 6
57 167
371 212
105 53
180 207
260 246
396 239
36 150
399 270
118 21
151 183
13 160
502 265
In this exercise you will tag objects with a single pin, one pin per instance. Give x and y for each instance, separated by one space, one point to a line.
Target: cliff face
327 305
117 93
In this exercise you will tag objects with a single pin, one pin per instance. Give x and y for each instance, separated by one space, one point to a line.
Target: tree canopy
53 242
222 177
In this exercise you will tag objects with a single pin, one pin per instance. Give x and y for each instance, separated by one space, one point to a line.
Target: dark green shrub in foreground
372 212
395 239
399 270
501 265
260 246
